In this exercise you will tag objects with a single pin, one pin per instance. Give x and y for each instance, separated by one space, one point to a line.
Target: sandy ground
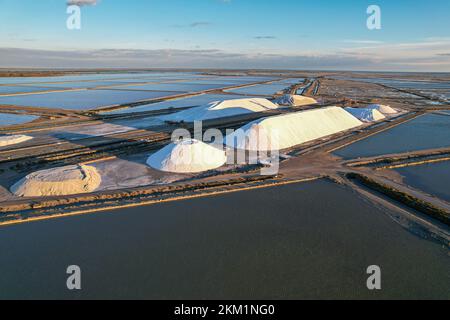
132 172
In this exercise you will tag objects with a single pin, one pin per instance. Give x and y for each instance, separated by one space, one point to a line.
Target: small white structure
187 156
73 179
13 139
383 109
221 109
284 131
294 100
365 114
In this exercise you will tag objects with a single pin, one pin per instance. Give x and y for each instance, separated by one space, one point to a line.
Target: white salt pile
187 156
221 109
284 131
73 179
382 108
13 139
365 114
294 100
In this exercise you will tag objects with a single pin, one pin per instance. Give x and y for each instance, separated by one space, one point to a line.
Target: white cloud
386 57
172 58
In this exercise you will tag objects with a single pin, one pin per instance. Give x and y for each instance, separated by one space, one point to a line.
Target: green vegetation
404 198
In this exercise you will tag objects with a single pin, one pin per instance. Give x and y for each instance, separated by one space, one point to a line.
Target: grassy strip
404 198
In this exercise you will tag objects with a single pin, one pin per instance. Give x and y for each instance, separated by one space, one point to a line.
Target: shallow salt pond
253 79
178 103
440 94
402 84
31 80
425 132
6 90
292 81
8 119
300 241
99 77
106 128
421 85
261 89
82 99
82 84
160 81
176 86
433 178
223 82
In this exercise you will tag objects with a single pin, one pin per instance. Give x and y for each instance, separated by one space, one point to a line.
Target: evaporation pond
425 132
6 90
178 103
298 241
82 99
81 85
8 119
261 89
433 178
174 86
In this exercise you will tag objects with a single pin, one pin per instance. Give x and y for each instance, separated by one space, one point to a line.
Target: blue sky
321 34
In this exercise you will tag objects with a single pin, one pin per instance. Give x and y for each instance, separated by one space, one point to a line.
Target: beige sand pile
13 139
294 100
221 109
73 179
187 156
287 130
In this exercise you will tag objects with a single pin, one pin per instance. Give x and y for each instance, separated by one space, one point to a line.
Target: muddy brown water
310 240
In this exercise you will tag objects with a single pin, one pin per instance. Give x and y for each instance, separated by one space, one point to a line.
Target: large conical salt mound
365 114
73 179
187 156
294 100
291 129
13 139
382 108
221 109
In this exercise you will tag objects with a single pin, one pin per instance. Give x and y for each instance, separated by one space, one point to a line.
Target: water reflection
311 240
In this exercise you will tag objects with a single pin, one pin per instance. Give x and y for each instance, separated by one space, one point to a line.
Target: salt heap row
287 130
193 156
372 113
267 134
221 109
235 107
